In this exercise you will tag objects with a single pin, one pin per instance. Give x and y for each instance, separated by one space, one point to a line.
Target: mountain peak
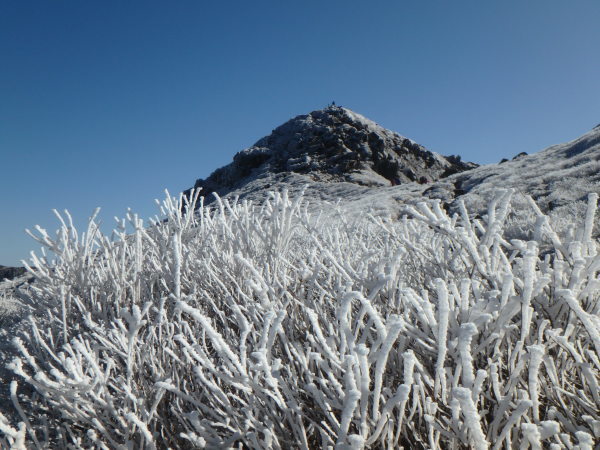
334 144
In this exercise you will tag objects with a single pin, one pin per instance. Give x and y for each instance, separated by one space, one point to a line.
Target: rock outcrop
333 145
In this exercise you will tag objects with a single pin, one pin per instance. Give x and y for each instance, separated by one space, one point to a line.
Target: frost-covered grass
282 326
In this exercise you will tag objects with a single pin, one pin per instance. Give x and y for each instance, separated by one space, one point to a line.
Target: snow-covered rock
334 144
556 177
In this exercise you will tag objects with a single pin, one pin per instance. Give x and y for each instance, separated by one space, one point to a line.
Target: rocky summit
333 144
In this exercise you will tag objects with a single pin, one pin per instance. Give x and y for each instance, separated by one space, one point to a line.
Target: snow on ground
555 177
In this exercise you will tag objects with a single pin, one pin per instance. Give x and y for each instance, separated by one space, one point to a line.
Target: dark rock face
520 155
11 272
334 144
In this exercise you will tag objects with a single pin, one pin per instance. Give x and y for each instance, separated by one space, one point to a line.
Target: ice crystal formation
459 313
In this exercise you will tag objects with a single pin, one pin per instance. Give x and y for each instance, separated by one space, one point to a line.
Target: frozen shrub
279 326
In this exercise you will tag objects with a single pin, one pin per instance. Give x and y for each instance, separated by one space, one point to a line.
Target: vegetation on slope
276 326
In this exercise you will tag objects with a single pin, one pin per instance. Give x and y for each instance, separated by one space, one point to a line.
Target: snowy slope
555 177
326 155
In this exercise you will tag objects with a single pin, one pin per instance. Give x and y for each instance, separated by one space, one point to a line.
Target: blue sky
109 103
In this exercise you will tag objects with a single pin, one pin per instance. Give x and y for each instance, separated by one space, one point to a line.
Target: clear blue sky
108 103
